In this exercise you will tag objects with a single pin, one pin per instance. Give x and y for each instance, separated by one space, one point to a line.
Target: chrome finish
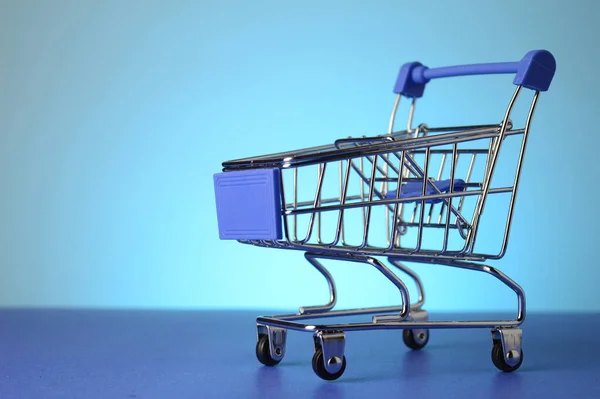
319 172
333 345
402 321
439 177
366 204
374 176
392 325
415 315
517 176
416 279
400 141
411 114
312 259
393 117
450 192
491 166
277 338
396 230
295 206
426 185
341 198
511 339
467 179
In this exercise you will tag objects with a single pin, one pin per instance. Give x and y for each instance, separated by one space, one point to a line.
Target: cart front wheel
263 353
318 365
415 339
500 361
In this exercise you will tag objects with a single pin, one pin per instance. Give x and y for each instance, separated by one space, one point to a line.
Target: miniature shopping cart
416 195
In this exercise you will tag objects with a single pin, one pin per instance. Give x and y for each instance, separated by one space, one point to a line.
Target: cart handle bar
535 71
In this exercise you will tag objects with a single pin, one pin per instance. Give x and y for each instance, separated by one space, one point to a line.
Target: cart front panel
248 204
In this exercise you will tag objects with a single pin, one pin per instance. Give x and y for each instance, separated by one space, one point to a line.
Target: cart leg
329 361
312 259
414 338
327 308
270 345
507 354
421 292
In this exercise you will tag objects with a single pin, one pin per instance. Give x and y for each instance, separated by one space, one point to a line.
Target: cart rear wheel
415 339
263 353
318 365
499 359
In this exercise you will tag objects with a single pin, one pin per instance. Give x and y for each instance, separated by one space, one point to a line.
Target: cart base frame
329 361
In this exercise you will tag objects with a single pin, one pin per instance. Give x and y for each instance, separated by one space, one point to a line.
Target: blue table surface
210 354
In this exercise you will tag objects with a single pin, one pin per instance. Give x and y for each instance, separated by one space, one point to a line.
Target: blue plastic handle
535 71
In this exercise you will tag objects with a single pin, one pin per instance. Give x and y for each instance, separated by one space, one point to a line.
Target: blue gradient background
114 115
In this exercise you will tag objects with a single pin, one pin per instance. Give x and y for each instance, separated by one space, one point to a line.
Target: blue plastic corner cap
406 84
249 204
536 70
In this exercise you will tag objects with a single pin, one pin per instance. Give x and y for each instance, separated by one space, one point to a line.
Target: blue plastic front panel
249 204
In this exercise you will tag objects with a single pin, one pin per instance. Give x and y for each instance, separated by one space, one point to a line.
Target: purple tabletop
47 354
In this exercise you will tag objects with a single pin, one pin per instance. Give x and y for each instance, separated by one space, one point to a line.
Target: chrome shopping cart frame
415 195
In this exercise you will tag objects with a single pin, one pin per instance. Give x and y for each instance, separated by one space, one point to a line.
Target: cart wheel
500 361
415 339
263 352
318 365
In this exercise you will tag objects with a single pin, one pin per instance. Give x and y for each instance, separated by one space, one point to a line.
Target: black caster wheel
263 353
318 366
500 361
415 339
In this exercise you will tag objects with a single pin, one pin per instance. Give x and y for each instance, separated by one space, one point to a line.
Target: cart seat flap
249 204
415 189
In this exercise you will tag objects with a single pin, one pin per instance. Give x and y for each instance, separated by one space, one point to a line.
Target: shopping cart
416 195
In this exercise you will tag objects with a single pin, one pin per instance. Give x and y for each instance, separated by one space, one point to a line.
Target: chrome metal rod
426 182
331 153
394 279
370 251
399 200
462 128
282 322
344 313
340 221
287 321
356 197
312 259
484 269
320 166
411 114
449 213
316 201
370 200
492 161
393 116
416 279
286 227
295 203
517 177
439 177
448 152
341 198
467 180
421 173
397 206
365 179
360 141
